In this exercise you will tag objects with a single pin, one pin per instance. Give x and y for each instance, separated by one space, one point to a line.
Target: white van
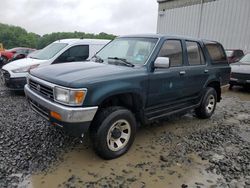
67 50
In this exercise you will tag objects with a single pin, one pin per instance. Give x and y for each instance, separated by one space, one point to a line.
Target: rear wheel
208 104
113 132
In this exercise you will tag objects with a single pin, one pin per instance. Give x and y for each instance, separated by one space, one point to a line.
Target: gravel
28 145
225 145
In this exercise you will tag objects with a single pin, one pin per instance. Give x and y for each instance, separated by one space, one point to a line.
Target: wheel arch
131 100
217 86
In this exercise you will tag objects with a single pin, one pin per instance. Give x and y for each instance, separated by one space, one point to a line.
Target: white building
226 21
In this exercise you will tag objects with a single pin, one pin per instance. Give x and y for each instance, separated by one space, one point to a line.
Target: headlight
25 69
74 97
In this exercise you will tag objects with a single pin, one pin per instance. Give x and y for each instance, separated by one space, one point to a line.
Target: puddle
239 93
141 166
91 169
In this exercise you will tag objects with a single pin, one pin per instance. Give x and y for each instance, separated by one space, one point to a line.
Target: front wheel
208 104
113 132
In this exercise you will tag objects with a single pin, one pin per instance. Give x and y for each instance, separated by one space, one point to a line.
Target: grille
241 76
39 109
6 74
42 89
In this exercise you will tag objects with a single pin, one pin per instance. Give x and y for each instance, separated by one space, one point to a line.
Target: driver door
166 84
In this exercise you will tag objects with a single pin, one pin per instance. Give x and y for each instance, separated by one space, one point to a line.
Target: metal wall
226 21
170 4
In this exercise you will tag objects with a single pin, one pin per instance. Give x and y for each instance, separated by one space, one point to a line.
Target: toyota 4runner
132 81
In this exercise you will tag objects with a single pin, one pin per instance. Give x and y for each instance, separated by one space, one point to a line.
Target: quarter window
195 55
216 52
173 50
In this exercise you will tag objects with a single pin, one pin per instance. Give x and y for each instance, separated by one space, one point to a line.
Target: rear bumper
74 120
240 82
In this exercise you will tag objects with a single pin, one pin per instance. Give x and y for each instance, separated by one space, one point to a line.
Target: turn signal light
79 97
55 115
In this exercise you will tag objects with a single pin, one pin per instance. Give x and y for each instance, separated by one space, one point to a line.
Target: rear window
216 52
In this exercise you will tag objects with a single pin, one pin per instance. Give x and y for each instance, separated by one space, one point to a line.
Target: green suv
132 81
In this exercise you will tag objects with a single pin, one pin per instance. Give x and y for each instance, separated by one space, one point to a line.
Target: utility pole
200 18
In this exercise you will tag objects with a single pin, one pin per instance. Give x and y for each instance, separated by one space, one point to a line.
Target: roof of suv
83 41
169 36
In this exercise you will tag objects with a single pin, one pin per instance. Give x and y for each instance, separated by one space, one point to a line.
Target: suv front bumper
75 120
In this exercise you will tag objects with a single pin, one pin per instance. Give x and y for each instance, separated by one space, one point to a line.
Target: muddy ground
178 152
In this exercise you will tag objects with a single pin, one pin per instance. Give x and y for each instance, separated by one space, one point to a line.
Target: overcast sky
94 16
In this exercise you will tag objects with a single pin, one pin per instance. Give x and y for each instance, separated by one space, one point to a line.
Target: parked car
9 54
21 55
133 80
234 55
62 51
241 72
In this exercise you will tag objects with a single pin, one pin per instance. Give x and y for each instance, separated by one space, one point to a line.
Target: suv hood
79 74
22 63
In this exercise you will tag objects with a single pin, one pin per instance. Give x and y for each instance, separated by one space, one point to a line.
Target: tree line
14 36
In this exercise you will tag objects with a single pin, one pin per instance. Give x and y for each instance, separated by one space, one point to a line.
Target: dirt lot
179 152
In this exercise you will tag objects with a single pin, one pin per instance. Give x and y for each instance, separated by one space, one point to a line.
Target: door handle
205 71
182 72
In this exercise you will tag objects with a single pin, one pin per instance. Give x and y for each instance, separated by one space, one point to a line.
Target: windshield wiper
122 60
98 59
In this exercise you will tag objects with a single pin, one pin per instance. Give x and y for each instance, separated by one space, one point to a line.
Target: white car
62 51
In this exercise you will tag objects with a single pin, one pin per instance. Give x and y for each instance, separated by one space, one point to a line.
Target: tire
208 104
107 129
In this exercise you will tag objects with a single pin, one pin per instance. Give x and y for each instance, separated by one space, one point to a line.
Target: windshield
246 59
130 50
229 53
49 51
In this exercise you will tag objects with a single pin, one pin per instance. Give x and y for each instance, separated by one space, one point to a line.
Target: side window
195 54
173 50
241 53
76 53
216 52
238 53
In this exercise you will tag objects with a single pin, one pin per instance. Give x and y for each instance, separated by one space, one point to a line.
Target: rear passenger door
197 71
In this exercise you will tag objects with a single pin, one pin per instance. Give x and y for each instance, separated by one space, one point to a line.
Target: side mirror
162 62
